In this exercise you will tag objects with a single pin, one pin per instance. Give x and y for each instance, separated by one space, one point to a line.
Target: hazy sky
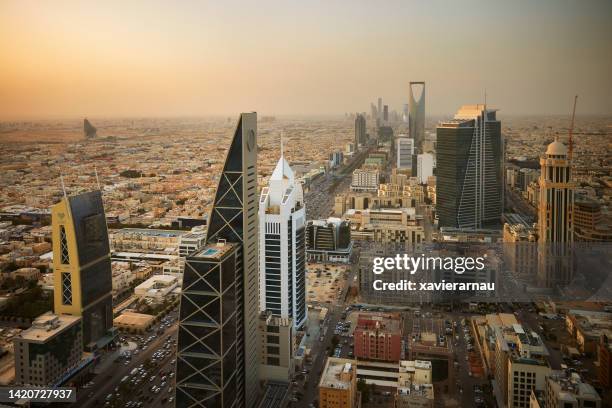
129 58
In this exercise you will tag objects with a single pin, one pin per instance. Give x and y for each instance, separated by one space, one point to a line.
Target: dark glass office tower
82 266
469 169
360 131
218 346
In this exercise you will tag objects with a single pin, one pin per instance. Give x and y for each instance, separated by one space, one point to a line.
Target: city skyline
193 60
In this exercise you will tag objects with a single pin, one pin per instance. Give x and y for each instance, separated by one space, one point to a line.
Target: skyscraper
386 113
405 150
556 204
282 264
416 119
218 347
360 131
379 108
469 169
82 265
555 217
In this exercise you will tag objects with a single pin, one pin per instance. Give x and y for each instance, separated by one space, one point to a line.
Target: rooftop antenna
570 149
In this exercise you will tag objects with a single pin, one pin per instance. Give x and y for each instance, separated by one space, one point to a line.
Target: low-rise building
49 350
569 392
586 328
132 322
378 336
157 287
338 384
328 241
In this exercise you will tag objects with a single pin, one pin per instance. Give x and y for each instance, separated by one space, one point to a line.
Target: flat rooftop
214 251
47 326
151 232
334 367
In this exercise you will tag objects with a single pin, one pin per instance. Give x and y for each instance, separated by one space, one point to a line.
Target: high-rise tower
556 204
416 118
218 343
555 217
282 261
82 265
405 150
469 169
360 131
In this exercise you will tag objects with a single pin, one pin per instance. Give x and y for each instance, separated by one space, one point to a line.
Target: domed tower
555 218
556 204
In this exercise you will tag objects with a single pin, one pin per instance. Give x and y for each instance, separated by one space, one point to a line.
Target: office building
385 134
469 169
146 240
328 240
189 243
405 150
378 336
379 110
525 356
218 343
405 113
424 167
338 384
365 180
590 225
386 114
277 346
49 350
282 264
556 196
386 225
555 217
336 159
360 131
520 248
89 130
416 117
564 391
82 266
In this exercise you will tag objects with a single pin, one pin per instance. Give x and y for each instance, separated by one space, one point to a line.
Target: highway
106 382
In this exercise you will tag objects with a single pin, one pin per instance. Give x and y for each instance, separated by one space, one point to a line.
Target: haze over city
72 59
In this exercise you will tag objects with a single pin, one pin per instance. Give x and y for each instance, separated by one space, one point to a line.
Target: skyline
202 60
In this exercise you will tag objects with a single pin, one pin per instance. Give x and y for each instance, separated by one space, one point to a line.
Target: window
66 288
273 350
65 257
272 339
273 361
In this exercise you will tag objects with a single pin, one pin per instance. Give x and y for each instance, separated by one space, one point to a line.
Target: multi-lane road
106 382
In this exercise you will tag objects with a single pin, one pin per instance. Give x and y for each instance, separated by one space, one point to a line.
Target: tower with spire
282 268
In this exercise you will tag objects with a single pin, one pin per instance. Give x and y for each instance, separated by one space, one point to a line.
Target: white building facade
282 246
405 150
425 166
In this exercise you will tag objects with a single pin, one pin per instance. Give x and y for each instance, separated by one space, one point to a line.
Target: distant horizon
286 116
164 59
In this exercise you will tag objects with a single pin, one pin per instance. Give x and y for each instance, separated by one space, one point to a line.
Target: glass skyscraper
82 265
218 350
469 169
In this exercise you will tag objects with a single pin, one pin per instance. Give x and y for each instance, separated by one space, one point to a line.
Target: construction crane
571 131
